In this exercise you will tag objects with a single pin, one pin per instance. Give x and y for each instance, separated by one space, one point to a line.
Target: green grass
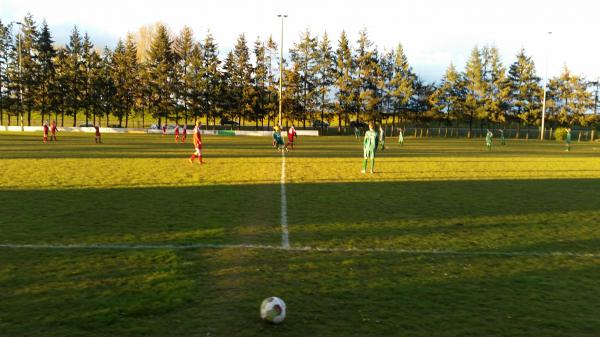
431 194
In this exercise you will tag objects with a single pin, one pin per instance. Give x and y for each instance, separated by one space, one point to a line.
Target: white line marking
285 235
118 246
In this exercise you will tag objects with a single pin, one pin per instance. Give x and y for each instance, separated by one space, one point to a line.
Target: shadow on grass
218 292
462 215
212 214
456 215
381 201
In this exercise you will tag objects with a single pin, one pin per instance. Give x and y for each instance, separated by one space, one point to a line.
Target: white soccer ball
272 310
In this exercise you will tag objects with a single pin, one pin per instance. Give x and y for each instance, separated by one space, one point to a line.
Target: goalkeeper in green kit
369 148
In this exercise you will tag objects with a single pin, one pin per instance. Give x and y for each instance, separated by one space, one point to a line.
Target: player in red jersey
197 144
176 133
46 132
53 130
184 134
98 138
291 136
164 129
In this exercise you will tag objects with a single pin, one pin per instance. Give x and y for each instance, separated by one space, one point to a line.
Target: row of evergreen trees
178 78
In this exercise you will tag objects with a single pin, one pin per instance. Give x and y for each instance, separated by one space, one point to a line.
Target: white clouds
433 32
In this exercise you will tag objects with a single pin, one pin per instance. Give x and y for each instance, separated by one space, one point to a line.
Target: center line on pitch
285 236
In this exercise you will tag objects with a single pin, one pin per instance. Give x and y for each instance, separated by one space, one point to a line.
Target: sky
433 33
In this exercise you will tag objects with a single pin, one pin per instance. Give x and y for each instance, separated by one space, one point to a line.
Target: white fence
154 131
71 129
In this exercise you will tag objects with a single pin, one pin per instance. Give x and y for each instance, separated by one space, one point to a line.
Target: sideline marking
117 246
285 235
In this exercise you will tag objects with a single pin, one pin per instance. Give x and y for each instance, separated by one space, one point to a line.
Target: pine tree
13 77
6 45
242 79
93 72
325 71
261 81
105 86
132 81
61 85
160 67
420 102
73 72
143 91
401 83
119 75
497 90
344 80
367 83
211 77
525 91
293 93
228 93
475 87
303 54
46 55
272 103
197 88
29 65
449 96
568 98
182 48
89 63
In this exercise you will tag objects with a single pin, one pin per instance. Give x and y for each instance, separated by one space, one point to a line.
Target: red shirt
97 130
184 131
177 131
53 128
291 134
197 137
45 129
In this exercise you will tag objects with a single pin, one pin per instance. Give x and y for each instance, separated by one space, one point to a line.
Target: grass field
445 239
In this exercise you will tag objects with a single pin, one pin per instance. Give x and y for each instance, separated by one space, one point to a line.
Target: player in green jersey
369 148
401 137
356 132
277 139
488 140
382 137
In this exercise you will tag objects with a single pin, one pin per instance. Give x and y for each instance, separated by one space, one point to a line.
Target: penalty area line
90 246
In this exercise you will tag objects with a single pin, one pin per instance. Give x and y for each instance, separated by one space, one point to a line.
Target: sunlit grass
430 195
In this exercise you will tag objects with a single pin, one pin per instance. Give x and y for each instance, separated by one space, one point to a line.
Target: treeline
178 78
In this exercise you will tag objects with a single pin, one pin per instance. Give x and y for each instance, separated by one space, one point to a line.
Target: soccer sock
372 164
193 156
365 164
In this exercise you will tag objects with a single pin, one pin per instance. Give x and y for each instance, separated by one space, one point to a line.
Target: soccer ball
272 310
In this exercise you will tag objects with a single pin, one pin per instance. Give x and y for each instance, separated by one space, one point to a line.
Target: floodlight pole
282 16
544 99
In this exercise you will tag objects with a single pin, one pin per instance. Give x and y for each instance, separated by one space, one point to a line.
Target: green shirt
568 138
369 141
